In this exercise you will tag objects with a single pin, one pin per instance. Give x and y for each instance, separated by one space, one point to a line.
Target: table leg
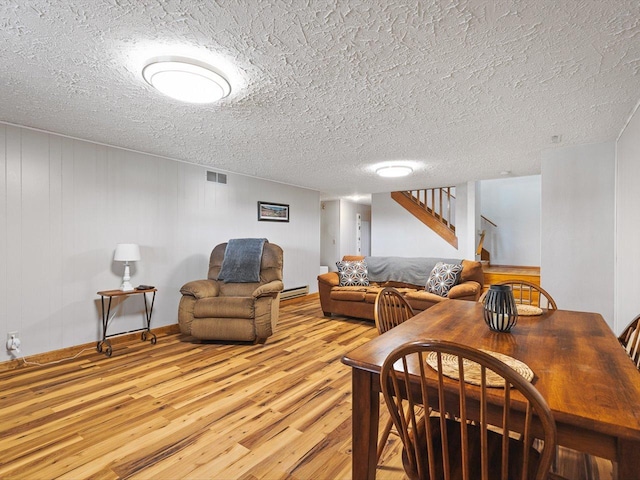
364 426
148 312
105 322
628 459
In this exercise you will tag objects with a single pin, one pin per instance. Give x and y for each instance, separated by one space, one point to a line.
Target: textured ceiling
325 90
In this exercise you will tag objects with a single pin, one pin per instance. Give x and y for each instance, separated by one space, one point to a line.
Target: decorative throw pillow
442 278
353 273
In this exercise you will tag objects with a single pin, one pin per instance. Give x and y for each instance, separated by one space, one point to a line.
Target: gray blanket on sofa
403 269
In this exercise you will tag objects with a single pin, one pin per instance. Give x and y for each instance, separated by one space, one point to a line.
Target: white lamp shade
127 252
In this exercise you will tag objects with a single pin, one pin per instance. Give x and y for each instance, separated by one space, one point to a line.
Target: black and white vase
500 311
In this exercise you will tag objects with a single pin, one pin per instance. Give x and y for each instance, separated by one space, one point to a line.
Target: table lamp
126 252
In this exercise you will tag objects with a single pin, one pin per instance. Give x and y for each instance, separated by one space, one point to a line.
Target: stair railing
481 243
437 202
486 239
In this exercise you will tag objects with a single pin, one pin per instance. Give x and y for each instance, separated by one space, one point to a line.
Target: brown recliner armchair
214 310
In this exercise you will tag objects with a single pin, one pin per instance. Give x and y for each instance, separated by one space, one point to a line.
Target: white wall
514 205
65 204
338 226
627 298
396 232
330 237
577 227
348 232
468 219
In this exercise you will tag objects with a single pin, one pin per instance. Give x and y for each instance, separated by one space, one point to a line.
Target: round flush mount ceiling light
186 80
392 171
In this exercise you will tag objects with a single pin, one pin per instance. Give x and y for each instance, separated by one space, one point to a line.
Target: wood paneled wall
66 203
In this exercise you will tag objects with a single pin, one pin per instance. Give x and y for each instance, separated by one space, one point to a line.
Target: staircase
482 252
435 207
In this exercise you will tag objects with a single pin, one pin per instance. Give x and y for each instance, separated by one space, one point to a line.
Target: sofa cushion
472 270
442 278
422 300
372 294
348 294
468 291
352 273
424 296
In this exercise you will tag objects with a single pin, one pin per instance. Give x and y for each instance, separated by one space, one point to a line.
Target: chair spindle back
390 309
630 340
472 433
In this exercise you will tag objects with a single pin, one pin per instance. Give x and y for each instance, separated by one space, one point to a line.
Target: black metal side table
105 344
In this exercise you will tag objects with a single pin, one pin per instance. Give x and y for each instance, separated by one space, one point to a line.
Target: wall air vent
216 177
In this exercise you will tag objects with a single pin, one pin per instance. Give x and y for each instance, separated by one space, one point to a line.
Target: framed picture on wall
273 212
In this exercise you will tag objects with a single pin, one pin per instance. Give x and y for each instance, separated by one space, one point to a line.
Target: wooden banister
480 243
487 220
434 207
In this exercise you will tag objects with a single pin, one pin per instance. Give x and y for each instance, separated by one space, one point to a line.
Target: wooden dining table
591 385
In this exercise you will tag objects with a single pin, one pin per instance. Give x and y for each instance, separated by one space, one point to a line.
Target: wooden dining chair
527 293
630 340
390 310
459 442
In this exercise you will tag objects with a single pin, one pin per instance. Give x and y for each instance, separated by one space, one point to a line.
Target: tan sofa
211 309
358 301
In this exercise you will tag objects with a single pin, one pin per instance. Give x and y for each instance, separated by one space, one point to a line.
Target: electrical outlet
13 342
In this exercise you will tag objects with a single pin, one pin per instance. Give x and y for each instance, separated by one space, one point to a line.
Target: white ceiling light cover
186 80
393 171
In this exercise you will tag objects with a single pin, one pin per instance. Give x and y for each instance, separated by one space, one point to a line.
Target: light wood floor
181 410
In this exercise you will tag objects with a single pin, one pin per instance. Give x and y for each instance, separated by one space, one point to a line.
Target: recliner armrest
201 288
268 289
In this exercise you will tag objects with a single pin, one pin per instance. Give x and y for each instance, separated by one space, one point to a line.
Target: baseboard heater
294 292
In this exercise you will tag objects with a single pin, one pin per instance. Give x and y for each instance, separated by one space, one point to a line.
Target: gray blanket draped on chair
242 258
